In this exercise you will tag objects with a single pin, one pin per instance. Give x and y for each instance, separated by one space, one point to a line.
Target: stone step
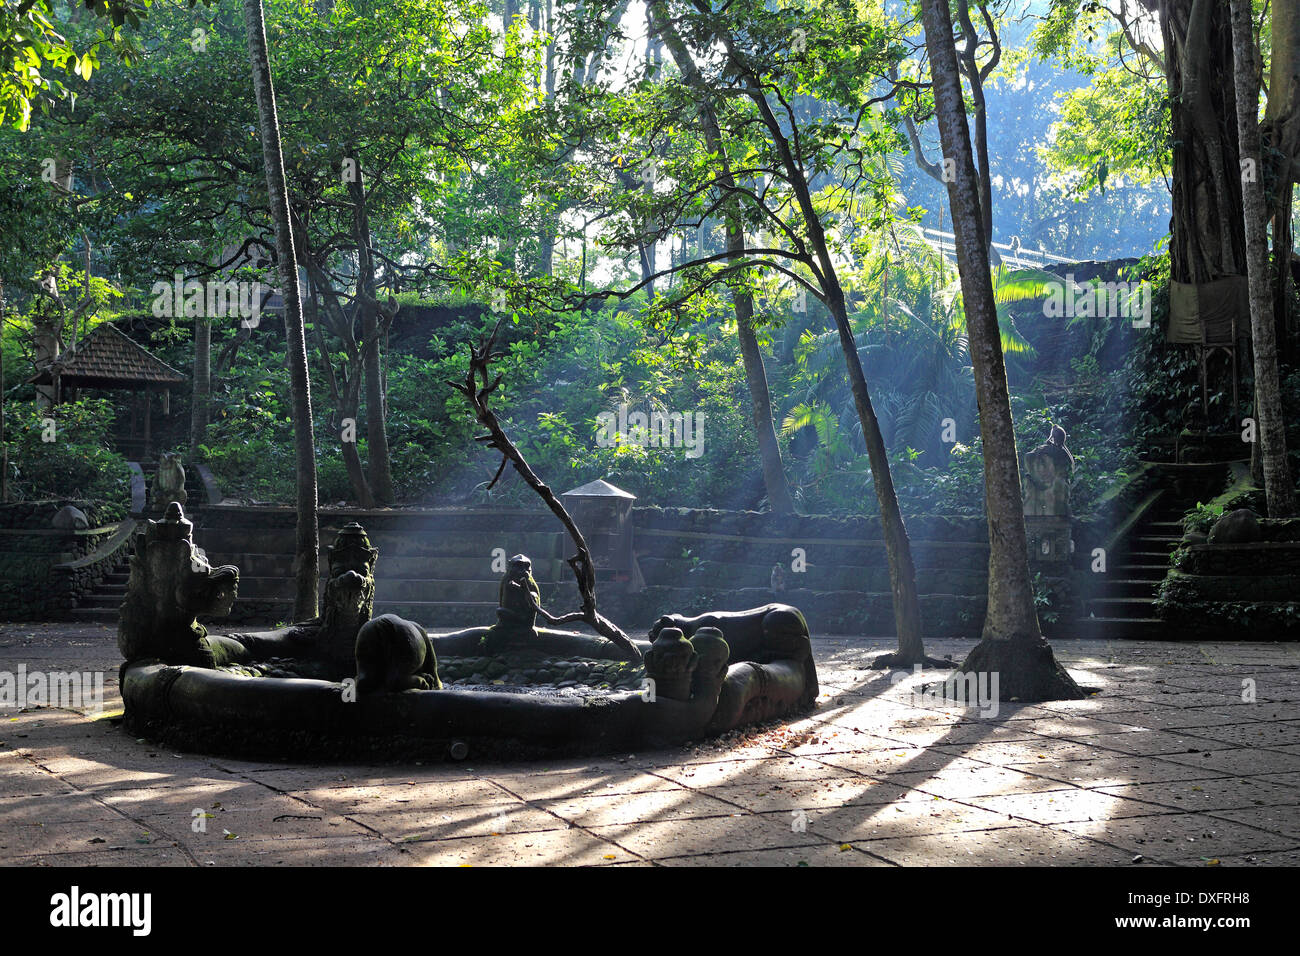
1143 572
1152 542
426 568
227 542
1128 587
1123 607
1110 628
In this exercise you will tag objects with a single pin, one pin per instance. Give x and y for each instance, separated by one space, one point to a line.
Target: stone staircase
440 566
433 568
1123 605
100 606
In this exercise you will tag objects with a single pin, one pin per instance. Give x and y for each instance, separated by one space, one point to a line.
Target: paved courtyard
1189 755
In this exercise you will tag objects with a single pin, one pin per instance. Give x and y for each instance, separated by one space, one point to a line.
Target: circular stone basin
562 693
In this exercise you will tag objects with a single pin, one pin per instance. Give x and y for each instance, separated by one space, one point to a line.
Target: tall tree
307 560
1278 488
1012 646
774 480
1282 134
976 74
201 395
798 210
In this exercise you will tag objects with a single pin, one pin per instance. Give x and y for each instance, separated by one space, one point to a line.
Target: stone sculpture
169 481
325 646
394 654
519 601
761 635
170 583
1047 477
670 663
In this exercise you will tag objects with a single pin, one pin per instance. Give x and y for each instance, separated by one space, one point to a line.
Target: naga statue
325 646
171 582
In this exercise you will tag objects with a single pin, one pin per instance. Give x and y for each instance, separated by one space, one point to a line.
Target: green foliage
1202 517
77 463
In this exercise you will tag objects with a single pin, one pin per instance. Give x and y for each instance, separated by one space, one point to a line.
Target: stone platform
1190 755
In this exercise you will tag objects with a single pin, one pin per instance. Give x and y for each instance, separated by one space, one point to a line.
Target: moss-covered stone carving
394 654
168 482
170 584
670 663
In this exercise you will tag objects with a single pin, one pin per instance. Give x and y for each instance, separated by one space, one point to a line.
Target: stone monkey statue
169 481
1047 476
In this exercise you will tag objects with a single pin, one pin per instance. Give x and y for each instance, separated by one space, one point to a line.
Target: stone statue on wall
1048 470
169 481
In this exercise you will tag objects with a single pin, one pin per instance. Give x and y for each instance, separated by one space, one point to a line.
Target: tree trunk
902 572
1012 645
1206 238
381 469
345 401
898 549
202 393
769 450
1282 135
307 561
1271 437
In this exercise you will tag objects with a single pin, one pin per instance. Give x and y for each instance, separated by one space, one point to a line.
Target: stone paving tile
223 795
653 806
308 851
1180 835
917 813
976 780
1165 754
808 795
287 821
694 835
120 770
1188 721
548 786
34 810
801 856
442 823
137 856
19 778
772 769
1270 858
1112 771
1284 820
899 760
1242 761
106 827
1066 806
335 776
1223 793
1152 743
394 796
544 848
1010 846
1020 751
